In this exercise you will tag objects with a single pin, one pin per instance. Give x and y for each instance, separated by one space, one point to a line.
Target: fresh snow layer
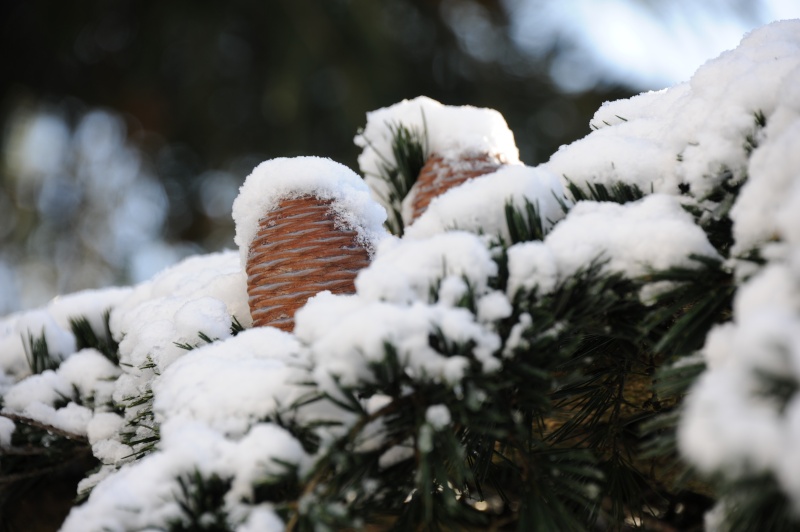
773 181
405 271
346 334
282 178
201 294
692 135
438 416
654 233
229 385
87 373
36 324
143 497
732 424
91 304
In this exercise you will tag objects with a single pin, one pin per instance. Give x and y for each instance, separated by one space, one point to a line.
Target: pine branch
409 153
44 426
702 297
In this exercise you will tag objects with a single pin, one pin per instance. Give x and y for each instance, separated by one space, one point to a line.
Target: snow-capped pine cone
298 252
440 174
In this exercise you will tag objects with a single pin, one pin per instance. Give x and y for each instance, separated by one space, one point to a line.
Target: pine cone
440 174
298 252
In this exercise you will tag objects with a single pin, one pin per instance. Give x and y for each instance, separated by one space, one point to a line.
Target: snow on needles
651 234
143 497
230 385
692 135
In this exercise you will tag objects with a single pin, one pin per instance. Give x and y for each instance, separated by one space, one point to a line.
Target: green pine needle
38 354
757 503
86 337
409 152
524 224
618 192
202 504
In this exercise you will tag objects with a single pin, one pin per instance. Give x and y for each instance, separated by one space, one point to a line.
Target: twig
49 428
24 451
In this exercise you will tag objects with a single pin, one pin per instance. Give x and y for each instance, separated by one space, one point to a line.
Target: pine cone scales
299 251
440 174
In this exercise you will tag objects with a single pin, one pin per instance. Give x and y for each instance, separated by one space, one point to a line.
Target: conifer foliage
608 341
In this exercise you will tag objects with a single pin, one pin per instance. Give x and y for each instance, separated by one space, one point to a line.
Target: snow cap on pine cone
287 178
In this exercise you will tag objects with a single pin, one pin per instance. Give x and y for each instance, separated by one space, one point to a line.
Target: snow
692 133
45 388
40 323
479 204
283 178
201 294
405 271
654 233
89 304
729 424
217 275
103 426
493 306
12 349
262 519
144 496
345 347
87 372
773 174
531 264
515 338
449 131
7 428
372 437
438 416
213 404
159 324
733 424
91 374
229 385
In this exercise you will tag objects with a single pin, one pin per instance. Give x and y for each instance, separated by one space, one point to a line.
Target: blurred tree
222 85
283 77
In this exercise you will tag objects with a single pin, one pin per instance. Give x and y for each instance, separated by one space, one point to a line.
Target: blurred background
128 125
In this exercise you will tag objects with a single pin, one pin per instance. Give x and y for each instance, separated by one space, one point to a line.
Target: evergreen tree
612 345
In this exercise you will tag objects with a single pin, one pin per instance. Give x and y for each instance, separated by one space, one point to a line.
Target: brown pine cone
299 251
440 174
